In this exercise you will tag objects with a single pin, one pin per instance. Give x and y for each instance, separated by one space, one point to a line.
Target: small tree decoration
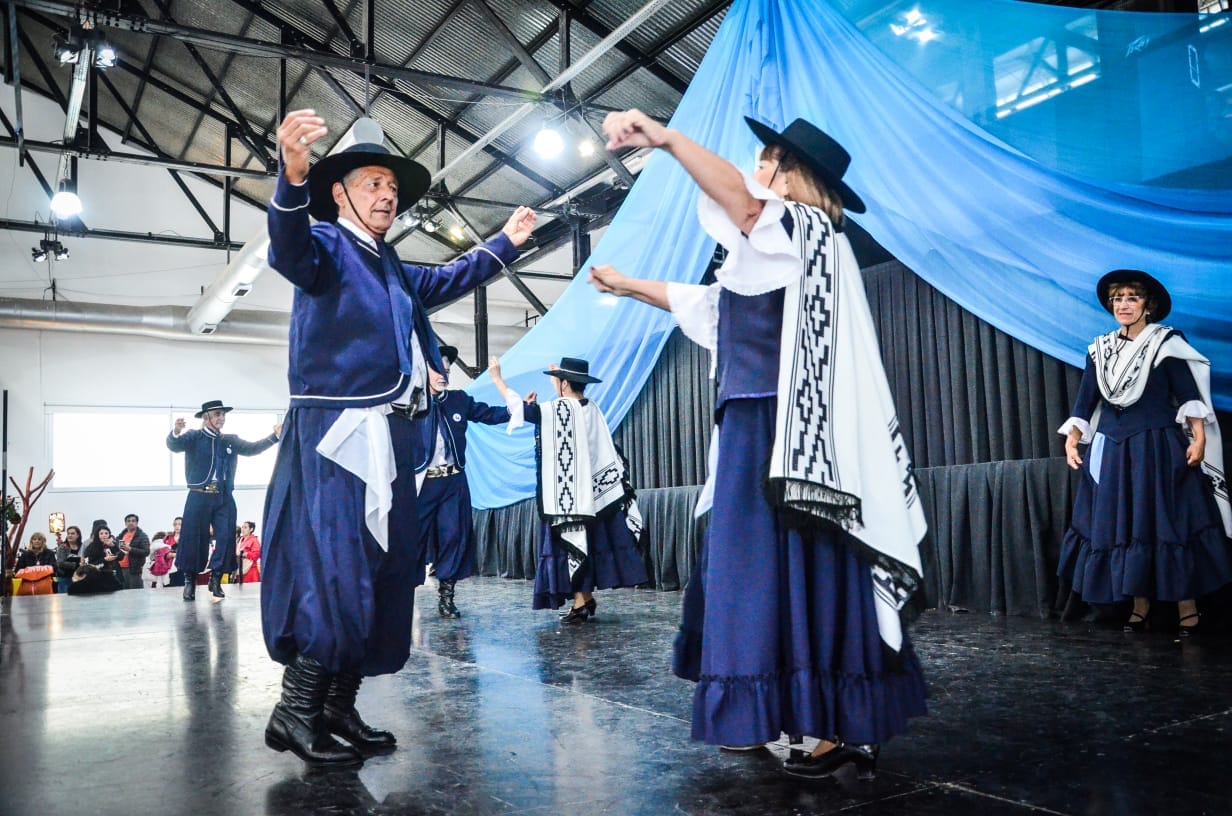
18 513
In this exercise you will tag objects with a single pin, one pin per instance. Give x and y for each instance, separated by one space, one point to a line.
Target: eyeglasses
1131 300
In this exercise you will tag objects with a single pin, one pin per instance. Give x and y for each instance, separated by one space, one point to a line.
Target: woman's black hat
816 149
413 178
1154 290
573 369
212 405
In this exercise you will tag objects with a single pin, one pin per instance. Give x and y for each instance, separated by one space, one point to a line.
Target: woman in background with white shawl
591 525
1147 517
791 621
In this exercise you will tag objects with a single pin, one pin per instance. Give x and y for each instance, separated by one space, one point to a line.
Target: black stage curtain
979 411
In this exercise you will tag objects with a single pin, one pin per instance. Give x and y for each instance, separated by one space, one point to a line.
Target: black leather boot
216 585
298 721
344 721
445 605
190 586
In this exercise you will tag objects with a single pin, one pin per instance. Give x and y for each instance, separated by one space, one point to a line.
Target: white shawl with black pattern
838 452
580 473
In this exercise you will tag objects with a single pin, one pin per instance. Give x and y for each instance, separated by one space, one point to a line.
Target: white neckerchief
1122 366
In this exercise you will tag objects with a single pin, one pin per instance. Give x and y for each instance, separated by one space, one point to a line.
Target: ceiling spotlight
61 252
586 148
549 143
411 219
105 56
65 203
67 50
429 225
456 233
38 254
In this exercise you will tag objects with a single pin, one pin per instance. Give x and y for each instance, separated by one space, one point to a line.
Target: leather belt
441 470
209 487
405 411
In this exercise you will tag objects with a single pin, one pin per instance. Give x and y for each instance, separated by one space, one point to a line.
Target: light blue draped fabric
1005 217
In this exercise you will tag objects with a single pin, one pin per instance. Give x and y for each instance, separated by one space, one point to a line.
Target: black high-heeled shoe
591 608
576 615
807 766
1189 631
1137 621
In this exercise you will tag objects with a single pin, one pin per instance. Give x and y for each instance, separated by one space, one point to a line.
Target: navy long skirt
1150 527
446 527
779 629
614 561
328 590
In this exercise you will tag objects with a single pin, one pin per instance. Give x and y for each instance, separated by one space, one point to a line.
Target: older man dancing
342 552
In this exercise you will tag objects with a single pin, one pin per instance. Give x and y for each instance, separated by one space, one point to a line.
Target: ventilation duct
246 326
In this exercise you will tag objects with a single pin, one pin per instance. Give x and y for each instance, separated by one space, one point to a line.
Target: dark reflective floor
141 703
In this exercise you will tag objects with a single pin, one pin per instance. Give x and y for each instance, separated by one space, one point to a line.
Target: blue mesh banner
1010 153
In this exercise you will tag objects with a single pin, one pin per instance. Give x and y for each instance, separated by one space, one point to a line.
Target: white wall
39 368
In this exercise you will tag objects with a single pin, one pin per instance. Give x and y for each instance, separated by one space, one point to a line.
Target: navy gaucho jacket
353 309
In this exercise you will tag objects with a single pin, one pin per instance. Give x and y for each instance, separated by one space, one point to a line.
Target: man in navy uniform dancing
342 553
444 496
210 459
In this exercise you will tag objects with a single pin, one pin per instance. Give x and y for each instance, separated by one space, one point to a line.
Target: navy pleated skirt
446 526
779 629
1149 528
614 561
328 590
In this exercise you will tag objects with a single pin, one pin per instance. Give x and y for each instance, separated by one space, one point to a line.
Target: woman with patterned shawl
591 524
792 621
1151 515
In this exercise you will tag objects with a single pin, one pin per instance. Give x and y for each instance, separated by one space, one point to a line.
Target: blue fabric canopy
994 148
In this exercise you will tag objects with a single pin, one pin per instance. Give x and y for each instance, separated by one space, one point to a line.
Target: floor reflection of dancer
791 621
341 555
591 523
444 502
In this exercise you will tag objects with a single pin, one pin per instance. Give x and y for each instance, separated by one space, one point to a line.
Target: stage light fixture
66 203
38 254
548 142
430 226
67 49
456 233
105 56
586 148
61 252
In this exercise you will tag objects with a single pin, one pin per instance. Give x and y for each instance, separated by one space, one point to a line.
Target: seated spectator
104 553
70 550
249 552
36 566
90 580
36 554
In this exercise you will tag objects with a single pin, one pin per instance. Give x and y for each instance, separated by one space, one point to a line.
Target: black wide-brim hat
449 354
815 148
1154 289
573 369
413 178
212 405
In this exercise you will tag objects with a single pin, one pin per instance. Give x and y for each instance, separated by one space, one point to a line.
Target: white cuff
1195 408
517 410
696 309
1079 423
762 261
